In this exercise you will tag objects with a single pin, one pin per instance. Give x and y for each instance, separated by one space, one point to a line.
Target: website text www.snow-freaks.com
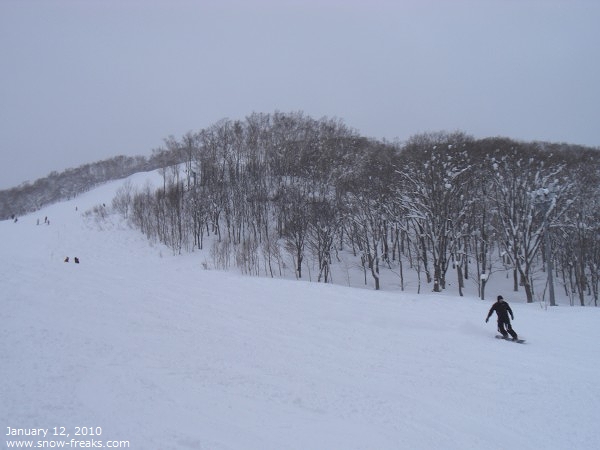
72 443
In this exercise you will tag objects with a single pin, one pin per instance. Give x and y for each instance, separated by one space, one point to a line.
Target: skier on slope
502 311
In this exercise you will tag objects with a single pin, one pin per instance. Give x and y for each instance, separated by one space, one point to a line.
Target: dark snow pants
505 329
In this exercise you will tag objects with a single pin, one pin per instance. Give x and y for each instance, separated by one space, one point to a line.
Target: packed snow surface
159 352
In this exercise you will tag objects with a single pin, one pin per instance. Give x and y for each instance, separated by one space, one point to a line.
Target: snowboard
518 341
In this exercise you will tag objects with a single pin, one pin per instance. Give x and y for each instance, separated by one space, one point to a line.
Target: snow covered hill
138 346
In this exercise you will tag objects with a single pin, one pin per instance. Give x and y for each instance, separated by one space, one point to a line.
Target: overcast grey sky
84 80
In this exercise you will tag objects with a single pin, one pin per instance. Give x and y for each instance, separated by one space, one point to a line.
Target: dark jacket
502 310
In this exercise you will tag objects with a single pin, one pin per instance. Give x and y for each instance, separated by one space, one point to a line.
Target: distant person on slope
502 311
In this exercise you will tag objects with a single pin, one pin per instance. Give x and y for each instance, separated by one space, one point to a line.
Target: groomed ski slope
161 353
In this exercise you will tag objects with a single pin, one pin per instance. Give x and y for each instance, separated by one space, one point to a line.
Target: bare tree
518 176
432 172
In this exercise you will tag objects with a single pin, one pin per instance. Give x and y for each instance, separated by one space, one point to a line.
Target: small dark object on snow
518 341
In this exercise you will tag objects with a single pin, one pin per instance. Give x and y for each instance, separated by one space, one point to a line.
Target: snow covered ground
161 353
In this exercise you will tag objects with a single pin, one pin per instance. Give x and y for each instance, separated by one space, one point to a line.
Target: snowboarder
502 311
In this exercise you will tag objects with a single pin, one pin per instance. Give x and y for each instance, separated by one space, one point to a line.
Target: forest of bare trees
285 187
29 197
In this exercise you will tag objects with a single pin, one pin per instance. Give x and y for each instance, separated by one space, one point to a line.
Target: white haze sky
82 81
